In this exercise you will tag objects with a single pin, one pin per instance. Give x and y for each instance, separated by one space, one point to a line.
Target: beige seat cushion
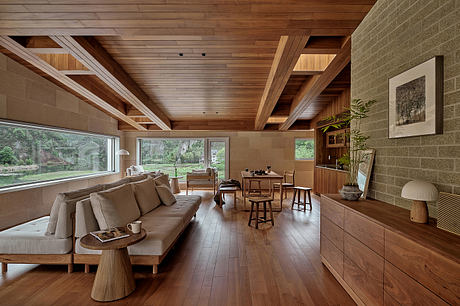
161 233
30 238
115 207
166 196
185 207
61 199
146 195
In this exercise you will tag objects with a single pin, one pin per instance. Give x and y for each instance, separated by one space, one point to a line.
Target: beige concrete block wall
253 150
26 96
395 36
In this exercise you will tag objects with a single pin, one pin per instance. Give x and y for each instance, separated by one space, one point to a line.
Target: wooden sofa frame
42 259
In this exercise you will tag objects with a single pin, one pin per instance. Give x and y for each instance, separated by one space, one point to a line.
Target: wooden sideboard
381 258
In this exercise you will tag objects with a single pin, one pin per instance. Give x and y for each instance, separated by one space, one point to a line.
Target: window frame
113 160
314 149
206 141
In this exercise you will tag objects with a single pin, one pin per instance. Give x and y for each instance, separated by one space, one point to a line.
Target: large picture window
304 149
31 154
178 156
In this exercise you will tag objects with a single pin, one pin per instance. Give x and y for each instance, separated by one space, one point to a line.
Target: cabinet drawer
367 289
332 254
365 230
366 259
333 232
332 211
434 271
407 291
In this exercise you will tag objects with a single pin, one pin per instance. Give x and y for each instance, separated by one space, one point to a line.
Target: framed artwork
415 100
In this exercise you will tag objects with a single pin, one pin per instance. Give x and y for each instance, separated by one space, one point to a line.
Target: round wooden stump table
175 188
114 277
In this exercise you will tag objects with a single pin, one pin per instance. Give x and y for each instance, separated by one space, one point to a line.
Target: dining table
271 177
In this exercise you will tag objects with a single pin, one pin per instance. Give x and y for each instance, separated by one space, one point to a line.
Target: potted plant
358 110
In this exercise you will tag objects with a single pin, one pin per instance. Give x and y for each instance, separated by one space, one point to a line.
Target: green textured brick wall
395 36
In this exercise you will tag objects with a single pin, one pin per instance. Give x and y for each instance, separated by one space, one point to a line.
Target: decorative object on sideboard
419 192
415 100
358 110
365 170
449 212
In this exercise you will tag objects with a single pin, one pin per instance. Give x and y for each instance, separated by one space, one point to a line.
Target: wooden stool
226 190
256 202
298 190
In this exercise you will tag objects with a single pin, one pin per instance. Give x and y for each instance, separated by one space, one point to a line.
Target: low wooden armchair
203 179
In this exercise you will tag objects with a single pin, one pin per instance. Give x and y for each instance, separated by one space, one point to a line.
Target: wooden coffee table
114 277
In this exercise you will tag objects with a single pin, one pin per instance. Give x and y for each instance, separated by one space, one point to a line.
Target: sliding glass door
178 156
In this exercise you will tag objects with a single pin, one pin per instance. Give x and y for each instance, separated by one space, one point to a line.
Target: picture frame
415 100
365 171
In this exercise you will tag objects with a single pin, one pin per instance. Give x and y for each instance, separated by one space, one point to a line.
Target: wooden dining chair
288 183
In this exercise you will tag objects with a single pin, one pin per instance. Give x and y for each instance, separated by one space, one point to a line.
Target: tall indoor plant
358 110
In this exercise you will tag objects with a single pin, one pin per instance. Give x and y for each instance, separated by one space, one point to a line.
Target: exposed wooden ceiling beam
286 56
28 56
324 45
89 52
313 87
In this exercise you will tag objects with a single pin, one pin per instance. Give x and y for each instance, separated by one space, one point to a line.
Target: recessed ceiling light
217 112
203 54
204 113
181 54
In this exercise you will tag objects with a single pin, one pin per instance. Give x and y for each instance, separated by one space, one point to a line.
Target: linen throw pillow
166 196
163 179
64 197
115 207
146 195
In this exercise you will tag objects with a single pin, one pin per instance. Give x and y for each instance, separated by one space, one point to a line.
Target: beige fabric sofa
163 225
51 239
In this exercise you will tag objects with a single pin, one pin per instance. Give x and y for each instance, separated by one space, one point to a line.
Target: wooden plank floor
219 260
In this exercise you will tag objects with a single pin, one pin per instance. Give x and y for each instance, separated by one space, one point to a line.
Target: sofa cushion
137 178
163 179
146 195
85 221
30 238
116 183
185 207
115 207
166 196
62 198
161 233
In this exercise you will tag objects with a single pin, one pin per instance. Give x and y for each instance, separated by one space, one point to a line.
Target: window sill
54 182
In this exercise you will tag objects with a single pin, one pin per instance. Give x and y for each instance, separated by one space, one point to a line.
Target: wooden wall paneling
329 181
286 57
313 87
404 290
94 56
14 47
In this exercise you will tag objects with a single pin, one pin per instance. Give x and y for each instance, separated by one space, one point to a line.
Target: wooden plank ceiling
190 65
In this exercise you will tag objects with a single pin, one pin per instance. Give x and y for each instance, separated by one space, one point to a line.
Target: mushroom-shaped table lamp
419 192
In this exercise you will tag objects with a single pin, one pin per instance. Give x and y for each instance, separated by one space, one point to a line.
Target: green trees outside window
30 154
304 149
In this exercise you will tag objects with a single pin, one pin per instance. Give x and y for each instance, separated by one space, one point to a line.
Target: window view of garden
167 155
175 156
31 154
304 149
